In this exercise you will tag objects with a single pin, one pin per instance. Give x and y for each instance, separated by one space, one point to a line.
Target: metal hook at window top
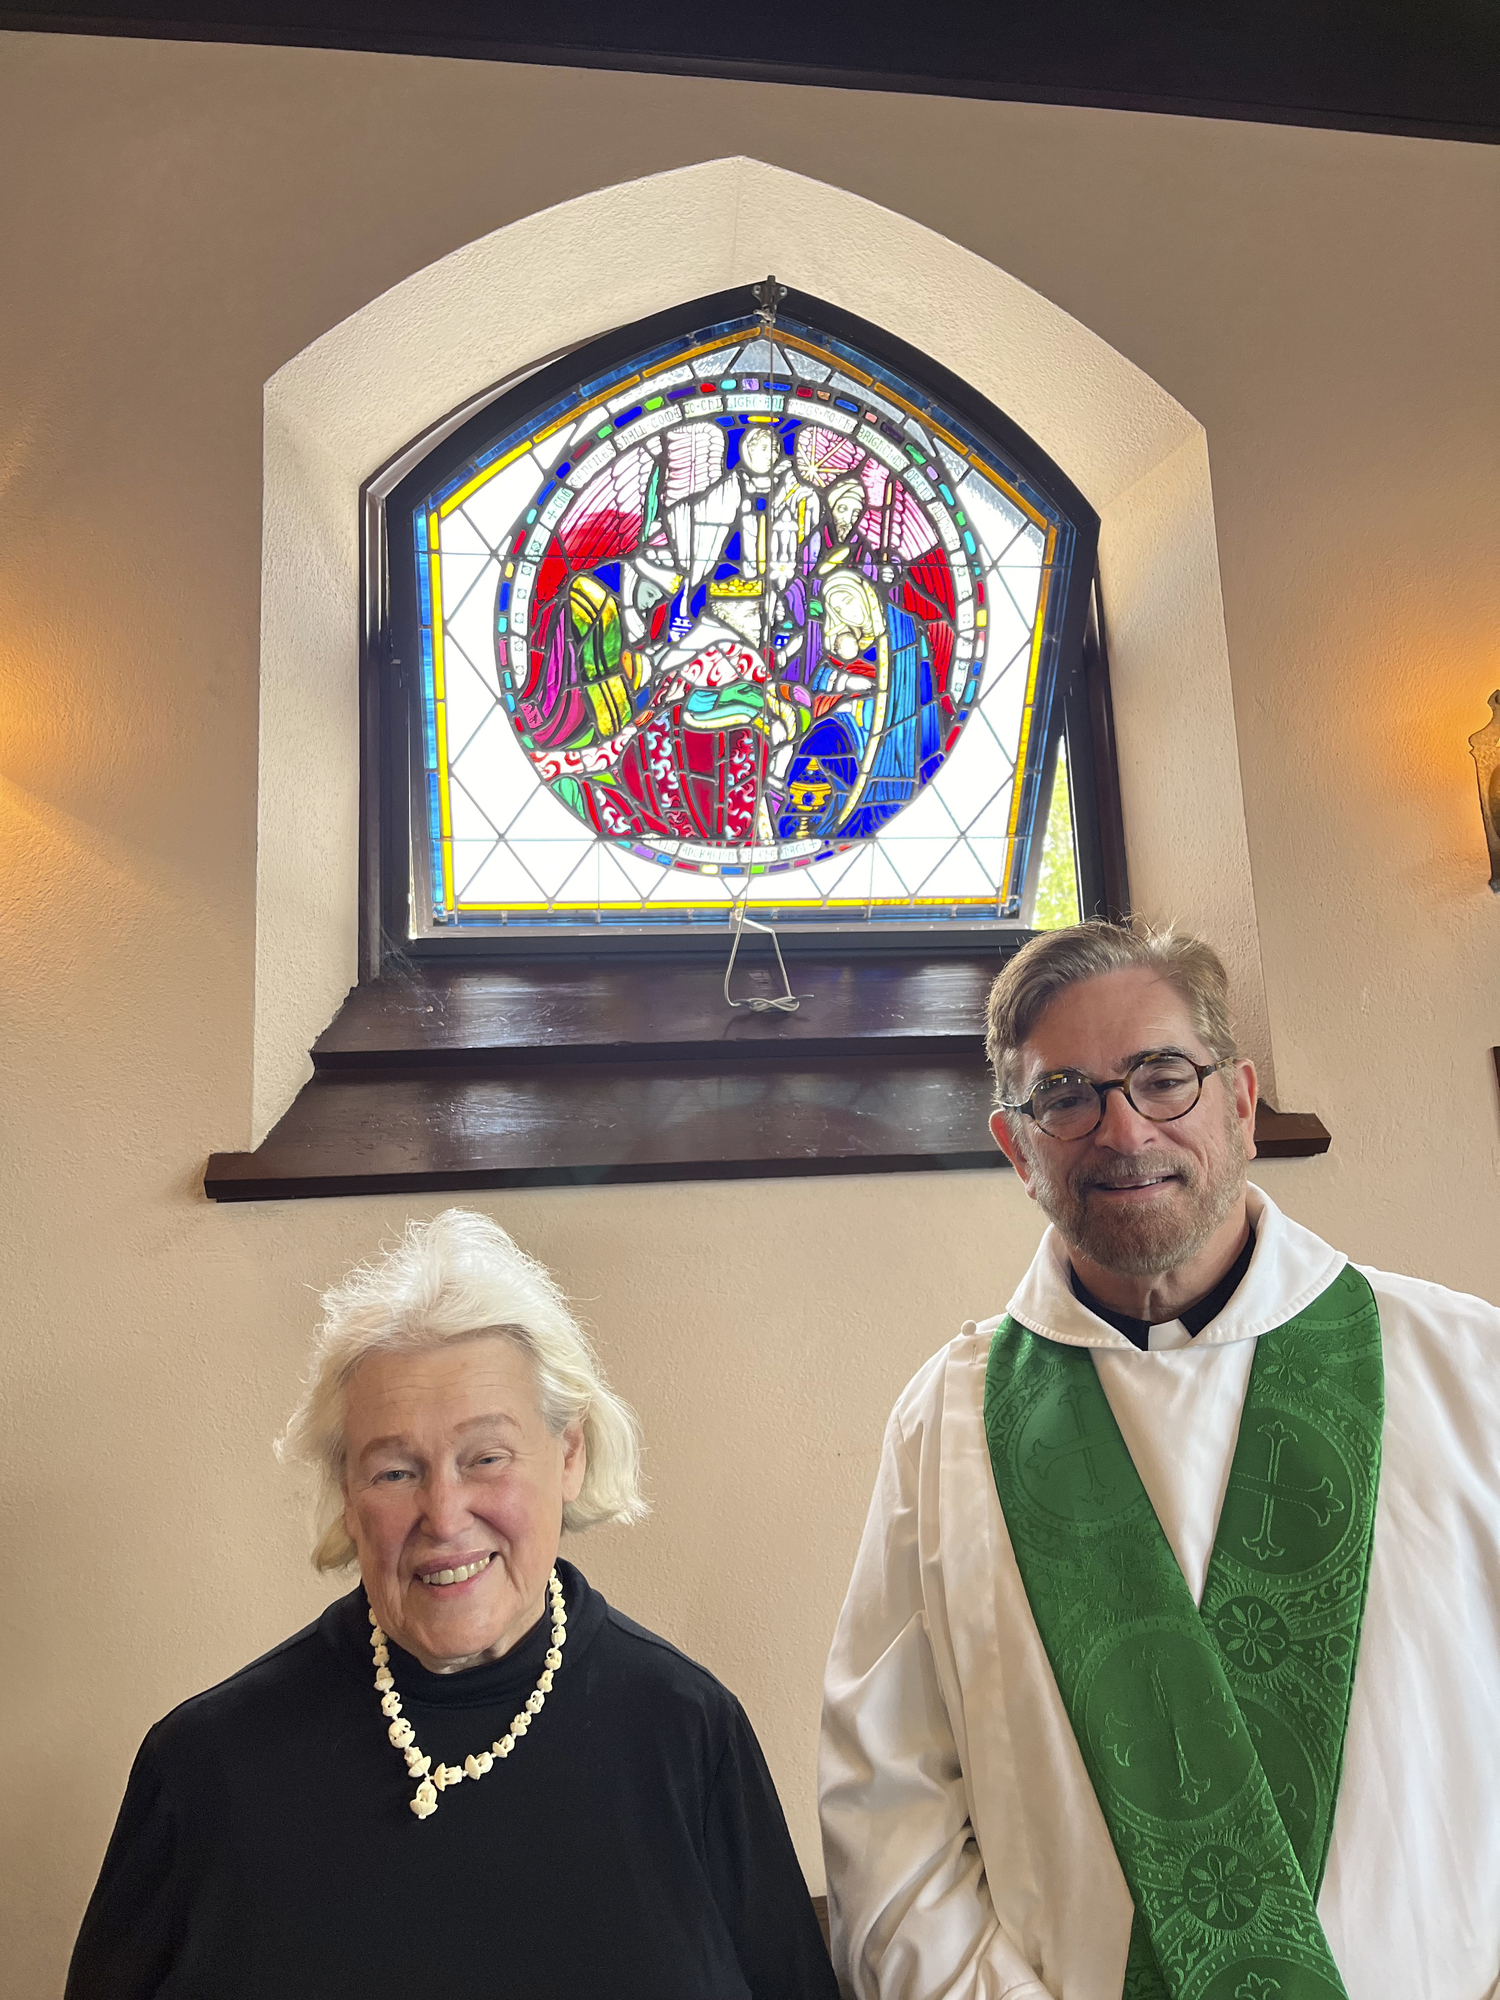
785 1002
768 296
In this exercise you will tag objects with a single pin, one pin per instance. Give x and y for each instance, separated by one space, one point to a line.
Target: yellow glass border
440 715
713 909
1028 715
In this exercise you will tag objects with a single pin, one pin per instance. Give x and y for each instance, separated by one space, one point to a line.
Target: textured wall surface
181 222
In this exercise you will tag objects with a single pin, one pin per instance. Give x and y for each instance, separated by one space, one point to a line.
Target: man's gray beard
1144 1242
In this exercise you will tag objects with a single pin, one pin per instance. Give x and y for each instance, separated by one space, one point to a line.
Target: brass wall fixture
1484 744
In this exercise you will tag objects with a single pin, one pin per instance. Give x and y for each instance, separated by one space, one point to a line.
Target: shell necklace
437 1778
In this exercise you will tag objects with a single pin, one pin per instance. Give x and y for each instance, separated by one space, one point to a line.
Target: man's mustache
1123 1172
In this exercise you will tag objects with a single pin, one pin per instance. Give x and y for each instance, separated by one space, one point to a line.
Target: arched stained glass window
723 611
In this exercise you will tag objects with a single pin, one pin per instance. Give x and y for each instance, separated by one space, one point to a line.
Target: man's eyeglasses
1161 1085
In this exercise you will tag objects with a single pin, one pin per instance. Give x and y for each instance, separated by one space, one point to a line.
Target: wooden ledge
556 1125
565 1010
1289 1135
586 1074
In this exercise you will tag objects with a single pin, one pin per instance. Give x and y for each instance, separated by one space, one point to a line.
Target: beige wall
178 222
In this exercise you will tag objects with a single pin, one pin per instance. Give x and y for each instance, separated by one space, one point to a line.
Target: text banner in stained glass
748 620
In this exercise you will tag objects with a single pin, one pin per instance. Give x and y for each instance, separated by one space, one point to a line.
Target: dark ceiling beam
1430 70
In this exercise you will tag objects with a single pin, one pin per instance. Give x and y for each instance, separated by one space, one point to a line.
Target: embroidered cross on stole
1213 1737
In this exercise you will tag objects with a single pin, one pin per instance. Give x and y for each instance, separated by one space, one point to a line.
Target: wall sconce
1484 745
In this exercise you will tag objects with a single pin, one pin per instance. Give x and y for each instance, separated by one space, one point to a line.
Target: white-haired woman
471 1776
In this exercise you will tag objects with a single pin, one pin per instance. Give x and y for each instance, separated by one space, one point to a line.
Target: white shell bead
534 1703
554 1658
384 1680
401 1733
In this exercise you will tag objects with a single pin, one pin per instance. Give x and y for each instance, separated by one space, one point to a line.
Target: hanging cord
767 296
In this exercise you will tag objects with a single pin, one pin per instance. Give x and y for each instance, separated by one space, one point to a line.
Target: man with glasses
1170 1665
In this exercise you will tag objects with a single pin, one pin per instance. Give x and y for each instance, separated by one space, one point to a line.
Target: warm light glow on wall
1484 745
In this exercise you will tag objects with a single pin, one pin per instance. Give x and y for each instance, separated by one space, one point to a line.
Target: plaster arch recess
347 405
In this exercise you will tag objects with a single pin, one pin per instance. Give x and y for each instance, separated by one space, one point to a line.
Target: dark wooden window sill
572 1073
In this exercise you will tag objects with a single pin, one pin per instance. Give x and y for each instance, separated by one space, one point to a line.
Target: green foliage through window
1057 885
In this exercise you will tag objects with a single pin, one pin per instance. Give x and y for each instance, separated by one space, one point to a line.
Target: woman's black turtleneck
632 1845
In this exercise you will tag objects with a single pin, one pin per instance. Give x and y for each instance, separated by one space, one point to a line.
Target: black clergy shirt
1195 1318
632 1844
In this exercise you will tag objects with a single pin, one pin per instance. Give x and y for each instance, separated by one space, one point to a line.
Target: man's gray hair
1042 969
460 1277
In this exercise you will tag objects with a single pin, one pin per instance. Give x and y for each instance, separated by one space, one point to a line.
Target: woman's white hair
456 1278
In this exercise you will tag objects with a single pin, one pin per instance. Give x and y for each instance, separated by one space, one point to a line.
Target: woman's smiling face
451 1472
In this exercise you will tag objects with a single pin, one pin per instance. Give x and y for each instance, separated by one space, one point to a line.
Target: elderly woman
471 1776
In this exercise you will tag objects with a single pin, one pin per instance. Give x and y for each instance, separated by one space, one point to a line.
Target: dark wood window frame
463 1063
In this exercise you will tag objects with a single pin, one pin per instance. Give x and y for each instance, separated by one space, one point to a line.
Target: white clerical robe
967 1856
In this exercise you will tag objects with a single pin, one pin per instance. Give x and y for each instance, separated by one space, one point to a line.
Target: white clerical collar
1290 1267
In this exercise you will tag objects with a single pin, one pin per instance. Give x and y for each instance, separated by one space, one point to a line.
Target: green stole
1213 1737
